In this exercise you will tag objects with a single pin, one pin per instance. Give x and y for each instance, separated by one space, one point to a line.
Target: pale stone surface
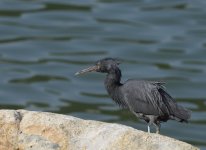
29 130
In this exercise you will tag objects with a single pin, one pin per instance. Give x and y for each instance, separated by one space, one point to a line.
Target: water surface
43 43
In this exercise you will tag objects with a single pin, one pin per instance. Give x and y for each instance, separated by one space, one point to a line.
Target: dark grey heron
147 100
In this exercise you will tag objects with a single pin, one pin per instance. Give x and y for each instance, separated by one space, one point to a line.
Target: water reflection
37 78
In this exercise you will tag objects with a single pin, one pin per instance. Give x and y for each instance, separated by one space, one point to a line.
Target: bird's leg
148 128
148 125
150 121
157 129
157 125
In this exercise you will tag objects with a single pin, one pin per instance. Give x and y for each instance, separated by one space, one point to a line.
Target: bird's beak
90 69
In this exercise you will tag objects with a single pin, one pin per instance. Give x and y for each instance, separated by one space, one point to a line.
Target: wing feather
144 97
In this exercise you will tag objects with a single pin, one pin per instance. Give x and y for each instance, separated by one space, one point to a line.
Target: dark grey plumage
145 99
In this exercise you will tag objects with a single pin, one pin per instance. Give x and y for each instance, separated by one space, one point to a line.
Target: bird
147 100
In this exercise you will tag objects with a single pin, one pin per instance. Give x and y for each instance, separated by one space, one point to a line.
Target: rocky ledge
29 130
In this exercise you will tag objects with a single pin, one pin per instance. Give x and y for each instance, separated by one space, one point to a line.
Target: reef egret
147 100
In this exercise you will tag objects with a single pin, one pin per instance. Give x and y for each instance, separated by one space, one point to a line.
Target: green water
44 42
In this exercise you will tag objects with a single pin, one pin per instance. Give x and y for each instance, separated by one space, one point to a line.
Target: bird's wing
178 112
144 97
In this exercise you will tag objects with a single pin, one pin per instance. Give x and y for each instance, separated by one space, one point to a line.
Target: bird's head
105 65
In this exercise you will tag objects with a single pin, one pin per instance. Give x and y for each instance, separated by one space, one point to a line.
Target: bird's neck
112 82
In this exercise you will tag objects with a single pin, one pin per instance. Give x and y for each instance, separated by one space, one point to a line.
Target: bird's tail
176 111
181 114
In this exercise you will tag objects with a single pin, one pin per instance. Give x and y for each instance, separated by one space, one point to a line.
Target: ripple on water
43 43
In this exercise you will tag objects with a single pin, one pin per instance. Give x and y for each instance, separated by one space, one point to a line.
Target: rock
29 130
